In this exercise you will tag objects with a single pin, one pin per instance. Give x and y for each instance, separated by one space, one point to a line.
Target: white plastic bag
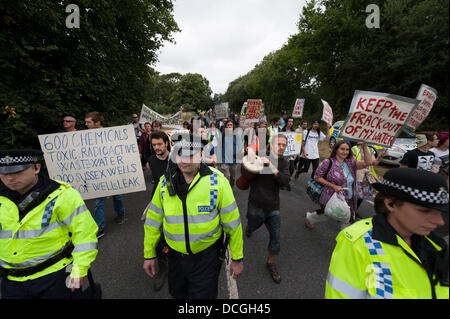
337 208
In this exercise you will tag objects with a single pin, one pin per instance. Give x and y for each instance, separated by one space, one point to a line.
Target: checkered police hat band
17 160
429 197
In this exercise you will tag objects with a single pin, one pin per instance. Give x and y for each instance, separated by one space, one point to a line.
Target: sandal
274 273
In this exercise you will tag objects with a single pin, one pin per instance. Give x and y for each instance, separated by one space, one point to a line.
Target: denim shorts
257 216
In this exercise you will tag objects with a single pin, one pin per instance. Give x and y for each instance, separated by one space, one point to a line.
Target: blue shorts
256 217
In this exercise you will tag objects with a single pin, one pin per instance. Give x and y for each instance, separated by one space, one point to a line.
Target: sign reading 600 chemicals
97 162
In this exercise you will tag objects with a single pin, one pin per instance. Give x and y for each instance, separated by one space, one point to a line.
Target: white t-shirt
311 143
437 161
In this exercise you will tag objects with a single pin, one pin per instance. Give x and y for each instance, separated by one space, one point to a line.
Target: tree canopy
335 53
48 70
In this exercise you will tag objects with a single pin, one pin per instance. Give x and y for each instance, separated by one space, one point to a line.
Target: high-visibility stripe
228 209
84 247
232 225
345 288
31 262
152 223
34 233
192 219
156 209
192 237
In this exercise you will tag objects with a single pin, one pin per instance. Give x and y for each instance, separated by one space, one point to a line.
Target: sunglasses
68 121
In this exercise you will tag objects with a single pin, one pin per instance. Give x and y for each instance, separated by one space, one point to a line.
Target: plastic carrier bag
337 208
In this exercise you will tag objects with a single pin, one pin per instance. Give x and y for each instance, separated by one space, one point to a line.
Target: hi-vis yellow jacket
371 261
192 225
45 231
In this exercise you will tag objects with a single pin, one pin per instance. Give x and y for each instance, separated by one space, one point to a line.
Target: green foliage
334 54
48 70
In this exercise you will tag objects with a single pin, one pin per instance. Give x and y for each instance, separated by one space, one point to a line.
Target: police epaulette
359 228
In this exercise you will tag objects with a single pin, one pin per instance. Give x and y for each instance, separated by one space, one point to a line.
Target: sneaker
120 219
308 224
100 234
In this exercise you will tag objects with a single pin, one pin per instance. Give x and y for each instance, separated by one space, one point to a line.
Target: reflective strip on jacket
210 206
44 232
362 267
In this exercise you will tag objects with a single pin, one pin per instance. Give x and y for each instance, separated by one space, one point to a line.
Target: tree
192 91
48 70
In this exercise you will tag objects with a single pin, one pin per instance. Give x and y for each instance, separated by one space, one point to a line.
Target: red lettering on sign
360 105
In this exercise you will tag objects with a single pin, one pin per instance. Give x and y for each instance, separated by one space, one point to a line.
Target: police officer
396 254
194 205
44 227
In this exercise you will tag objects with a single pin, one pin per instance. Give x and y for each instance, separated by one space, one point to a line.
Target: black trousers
194 276
51 286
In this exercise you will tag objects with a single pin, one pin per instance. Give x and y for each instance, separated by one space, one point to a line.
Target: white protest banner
97 162
294 143
253 110
327 114
377 118
221 110
427 96
148 115
298 108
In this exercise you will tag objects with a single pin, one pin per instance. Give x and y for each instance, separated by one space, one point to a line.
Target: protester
186 125
94 120
274 127
264 199
156 126
310 146
396 254
69 123
193 231
283 120
365 176
300 160
45 226
342 174
144 144
138 129
289 127
421 157
209 157
440 150
230 150
213 134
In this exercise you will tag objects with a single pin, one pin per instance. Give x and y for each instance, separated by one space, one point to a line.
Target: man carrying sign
95 120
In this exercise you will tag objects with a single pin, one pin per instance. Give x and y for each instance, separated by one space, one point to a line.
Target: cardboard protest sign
97 162
426 95
377 118
327 114
221 110
294 143
298 108
253 110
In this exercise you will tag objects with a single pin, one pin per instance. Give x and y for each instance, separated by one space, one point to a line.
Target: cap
315 121
14 161
421 140
187 144
416 186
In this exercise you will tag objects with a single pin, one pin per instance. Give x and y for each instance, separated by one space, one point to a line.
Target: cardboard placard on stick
427 96
253 110
327 114
377 118
298 108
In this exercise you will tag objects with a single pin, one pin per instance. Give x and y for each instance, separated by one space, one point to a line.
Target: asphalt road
303 260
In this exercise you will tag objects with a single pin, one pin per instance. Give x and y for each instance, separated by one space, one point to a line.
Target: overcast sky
224 39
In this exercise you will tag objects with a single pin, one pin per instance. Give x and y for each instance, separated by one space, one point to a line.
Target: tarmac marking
231 283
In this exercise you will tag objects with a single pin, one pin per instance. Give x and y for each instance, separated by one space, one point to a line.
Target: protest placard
298 108
221 110
294 143
327 114
97 162
426 95
253 110
148 115
377 118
